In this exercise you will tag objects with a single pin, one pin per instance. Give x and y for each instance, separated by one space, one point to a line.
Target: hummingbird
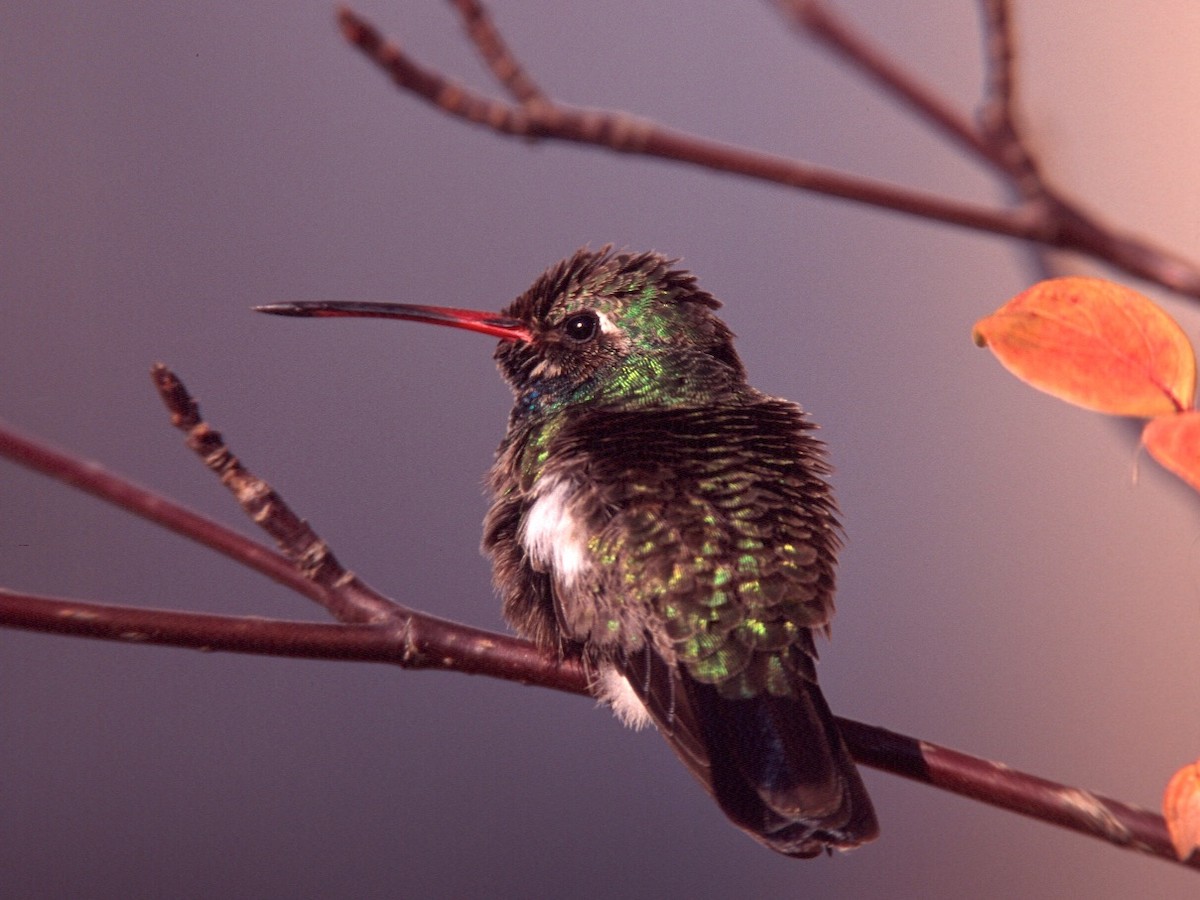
655 516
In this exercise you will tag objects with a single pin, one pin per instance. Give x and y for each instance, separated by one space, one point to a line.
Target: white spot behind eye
606 324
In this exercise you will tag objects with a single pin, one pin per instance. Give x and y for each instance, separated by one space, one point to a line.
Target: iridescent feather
656 515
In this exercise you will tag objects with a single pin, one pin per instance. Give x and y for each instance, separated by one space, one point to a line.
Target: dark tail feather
781 771
777 766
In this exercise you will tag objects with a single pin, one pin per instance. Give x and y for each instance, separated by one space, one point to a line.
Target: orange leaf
1181 809
1175 442
1095 344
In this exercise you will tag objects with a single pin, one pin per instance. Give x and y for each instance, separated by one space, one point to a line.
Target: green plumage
707 530
658 516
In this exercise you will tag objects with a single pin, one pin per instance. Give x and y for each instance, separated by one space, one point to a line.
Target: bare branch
999 785
402 636
817 20
378 629
623 133
504 65
1048 219
94 479
1060 222
341 592
997 116
412 642
424 642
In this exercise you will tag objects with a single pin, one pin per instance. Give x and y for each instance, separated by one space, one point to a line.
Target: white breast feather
553 537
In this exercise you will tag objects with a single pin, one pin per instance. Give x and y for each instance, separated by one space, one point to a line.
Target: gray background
1020 582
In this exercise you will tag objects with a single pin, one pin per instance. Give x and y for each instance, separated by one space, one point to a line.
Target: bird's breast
554 535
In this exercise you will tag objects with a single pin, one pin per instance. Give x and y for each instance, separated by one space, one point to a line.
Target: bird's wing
710 538
712 526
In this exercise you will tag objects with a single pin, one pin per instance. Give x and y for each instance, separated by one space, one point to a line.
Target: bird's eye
581 327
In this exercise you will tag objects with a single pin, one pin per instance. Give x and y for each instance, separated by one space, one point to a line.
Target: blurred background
1020 581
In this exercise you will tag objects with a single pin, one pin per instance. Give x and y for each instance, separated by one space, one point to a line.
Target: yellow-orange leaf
1175 442
1095 344
1181 809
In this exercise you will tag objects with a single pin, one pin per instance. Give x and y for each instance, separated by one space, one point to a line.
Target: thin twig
339 590
997 117
999 142
506 68
399 636
998 113
94 479
817 20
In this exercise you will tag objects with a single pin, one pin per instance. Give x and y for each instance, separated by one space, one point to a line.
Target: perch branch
423 642
463 649
415 641
381 630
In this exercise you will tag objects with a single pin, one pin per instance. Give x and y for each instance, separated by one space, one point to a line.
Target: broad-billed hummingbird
673 527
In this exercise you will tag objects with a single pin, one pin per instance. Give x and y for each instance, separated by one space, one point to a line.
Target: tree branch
378 629
414 641
92 478
817 20
1046 216
998 116
623 133
425 642
327 582
506 68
